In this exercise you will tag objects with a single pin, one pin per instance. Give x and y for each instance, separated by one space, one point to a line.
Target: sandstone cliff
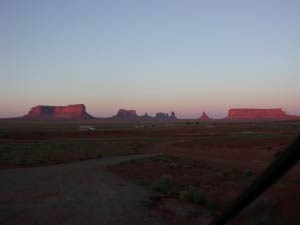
146 117
58 112
276 113
161 116
173 116
124 114
165 116
204 117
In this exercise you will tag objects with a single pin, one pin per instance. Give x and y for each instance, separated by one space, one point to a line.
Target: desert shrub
164 185
127 162
3 135
232 174
174 166
283 221
277 154
249 173
213 208
161 159
258 213
259 220
194 195
140 182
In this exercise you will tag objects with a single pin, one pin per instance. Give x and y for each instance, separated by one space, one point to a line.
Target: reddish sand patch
221 173
219 158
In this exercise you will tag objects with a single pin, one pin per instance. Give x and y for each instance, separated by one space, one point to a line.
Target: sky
186 56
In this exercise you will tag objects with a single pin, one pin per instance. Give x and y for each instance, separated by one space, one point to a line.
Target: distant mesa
146 117
78 111
165 116
161 116
124 114
204 117
247 113
58 112
173 116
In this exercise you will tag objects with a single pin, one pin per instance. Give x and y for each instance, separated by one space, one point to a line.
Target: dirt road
70 194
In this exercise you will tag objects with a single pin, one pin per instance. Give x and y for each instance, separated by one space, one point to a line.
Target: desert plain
142 172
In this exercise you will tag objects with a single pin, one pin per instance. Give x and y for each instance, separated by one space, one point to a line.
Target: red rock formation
126 114
173 116
165 116
58 112
146 117
162 116
277 113
204 117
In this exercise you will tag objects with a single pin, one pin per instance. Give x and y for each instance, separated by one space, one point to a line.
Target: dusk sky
186 56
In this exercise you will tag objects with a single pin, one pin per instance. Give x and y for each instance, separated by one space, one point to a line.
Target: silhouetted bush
194 195
164 185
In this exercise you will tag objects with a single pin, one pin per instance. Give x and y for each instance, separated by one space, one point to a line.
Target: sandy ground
86 192
70 194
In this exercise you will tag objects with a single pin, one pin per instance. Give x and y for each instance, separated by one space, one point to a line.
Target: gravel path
81 193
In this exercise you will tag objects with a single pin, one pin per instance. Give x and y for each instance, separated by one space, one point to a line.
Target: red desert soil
76 193
221 170
219 158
